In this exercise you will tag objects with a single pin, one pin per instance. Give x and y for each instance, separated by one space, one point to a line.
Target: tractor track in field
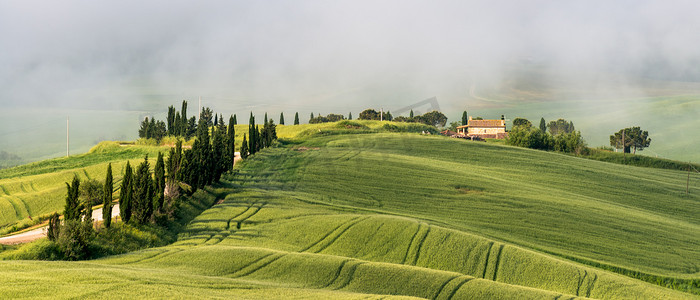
498 262
15 206
351 272
156 252
420 245
337 273
459 286
4 190
327 234
591 285
443 285
161 255
408 249
486 261
26 206
228 224
329 243
581 280
276 257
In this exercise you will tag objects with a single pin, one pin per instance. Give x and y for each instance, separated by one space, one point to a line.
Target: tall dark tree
231 143
191 128
159 183
235 121
144 131
73 207
252 133
311 117
174 163
244 148
410 115
126 194
465 118
296 118
177 124
54 227
189 169
281 118
107 198
543 125
218 154
184 124
143 193
350 116
152 130
216 120
206 116
171 119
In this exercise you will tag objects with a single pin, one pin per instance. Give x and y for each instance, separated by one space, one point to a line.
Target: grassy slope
39 188
407 215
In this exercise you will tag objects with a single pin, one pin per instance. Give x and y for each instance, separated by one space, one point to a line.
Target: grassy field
39 188
332 215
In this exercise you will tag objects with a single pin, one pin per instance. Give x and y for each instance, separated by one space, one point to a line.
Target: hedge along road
40 232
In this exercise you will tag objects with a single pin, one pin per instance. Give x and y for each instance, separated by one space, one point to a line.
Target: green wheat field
373 211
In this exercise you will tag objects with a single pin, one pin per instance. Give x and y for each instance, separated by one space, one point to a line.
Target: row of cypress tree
258 138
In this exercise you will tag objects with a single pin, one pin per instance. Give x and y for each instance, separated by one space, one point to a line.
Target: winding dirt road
38 233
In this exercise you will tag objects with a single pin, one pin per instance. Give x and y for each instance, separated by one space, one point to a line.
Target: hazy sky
326 55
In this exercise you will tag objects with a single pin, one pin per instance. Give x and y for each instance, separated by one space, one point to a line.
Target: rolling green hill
366 215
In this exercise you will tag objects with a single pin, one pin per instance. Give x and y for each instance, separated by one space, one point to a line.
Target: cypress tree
251 135
465 118
231 143
72 208
183 124
171 119
152 129
216 120
350 116
177 124
54 227
244 148
107 198
159 183
191 127
143 130
235 122
126 194
296 118
258 139
143 193
543 125
281 118
311 117
410 115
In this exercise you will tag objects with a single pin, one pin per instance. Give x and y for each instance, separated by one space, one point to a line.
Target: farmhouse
486 129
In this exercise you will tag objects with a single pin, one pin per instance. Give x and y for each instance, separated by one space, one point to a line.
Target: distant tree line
433 118
559 135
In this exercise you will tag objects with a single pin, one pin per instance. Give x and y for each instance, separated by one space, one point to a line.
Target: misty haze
318 149
603 65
